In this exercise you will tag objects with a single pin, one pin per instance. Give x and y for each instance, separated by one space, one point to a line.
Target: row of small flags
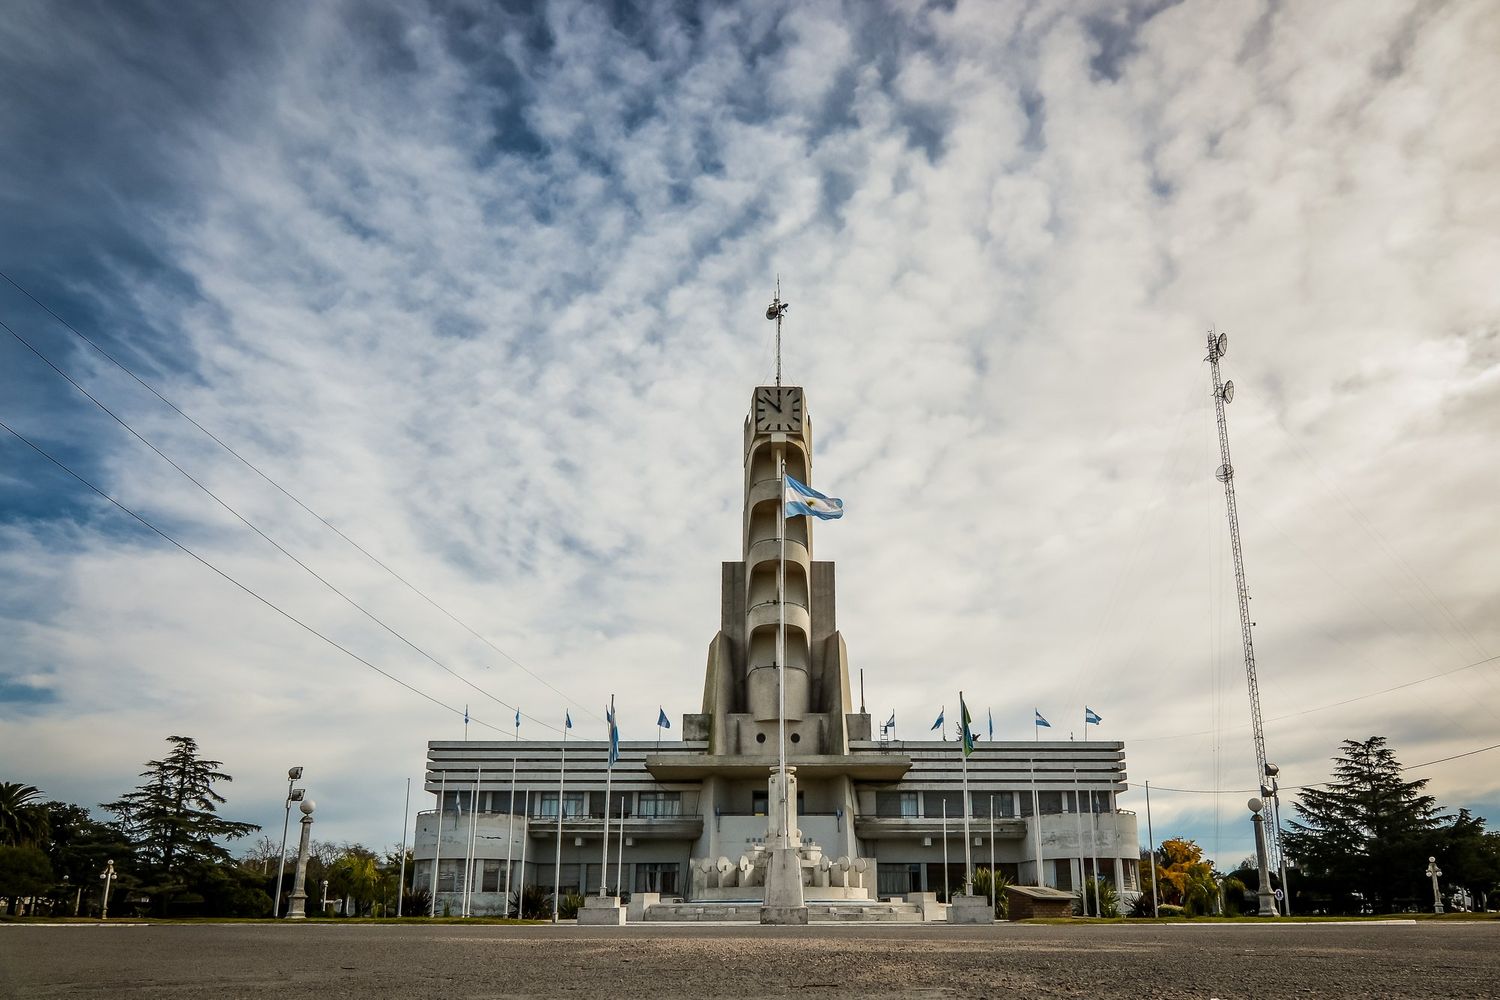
1090 718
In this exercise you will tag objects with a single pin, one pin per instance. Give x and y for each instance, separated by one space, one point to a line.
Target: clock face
778 408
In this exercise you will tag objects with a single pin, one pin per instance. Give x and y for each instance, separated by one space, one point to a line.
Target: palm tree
22 819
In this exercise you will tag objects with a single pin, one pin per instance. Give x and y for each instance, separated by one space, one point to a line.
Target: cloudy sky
483 286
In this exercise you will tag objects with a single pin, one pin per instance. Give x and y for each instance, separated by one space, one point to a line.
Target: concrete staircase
748 911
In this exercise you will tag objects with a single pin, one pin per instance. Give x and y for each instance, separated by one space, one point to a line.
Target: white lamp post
297 908
1437 898
108 876
292 795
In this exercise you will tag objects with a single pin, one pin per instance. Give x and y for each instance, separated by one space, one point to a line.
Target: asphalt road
485 961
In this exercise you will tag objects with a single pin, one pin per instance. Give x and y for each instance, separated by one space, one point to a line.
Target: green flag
963 712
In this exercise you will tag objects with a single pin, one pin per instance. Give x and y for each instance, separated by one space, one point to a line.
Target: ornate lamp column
298 909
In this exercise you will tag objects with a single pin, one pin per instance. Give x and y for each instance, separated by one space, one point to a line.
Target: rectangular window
910 805
1051 803
1005 804
897 879
1064 876
656 877
938 802
490 878
759 803
652 805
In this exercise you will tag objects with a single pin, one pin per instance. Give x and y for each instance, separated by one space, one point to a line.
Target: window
938 802
1050 802
759 803
656 877
897 880
897 805
545 806
658 804
1064 874
489 880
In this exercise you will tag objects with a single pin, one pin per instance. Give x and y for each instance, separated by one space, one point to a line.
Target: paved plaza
485 961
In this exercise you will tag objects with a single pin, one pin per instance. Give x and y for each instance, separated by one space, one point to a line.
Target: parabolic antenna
1228 392
1224 473
1221 346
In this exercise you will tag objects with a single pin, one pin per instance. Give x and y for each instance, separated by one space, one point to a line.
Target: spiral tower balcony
762 553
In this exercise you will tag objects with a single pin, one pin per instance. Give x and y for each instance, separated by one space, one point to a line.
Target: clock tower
741 689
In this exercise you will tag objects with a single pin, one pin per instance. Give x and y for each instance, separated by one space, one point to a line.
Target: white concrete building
870 812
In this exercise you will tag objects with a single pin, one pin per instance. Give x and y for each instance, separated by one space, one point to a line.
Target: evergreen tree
172 821
1363 841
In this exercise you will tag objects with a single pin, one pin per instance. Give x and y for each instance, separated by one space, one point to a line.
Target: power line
274 607
1312 784
1335 704
253 527
294 499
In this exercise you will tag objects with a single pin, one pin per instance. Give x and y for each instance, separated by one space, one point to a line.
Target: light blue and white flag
614 734
661 718
518 719
939 723
1041 721
991 714
567 719
891 722
804 500
1091 717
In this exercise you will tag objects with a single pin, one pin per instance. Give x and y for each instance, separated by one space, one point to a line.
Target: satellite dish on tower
1224 473
1228 392
1221 346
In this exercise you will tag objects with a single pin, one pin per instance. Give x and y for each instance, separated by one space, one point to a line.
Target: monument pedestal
601 911
784 902
970 910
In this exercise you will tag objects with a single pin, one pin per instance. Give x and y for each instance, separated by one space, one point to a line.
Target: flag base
784 903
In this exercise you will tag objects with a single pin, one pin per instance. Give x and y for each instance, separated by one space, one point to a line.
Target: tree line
1358 844
166 839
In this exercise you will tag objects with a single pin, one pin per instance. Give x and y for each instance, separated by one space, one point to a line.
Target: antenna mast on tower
776 310
1218 344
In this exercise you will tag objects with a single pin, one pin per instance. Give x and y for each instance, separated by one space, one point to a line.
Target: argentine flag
1041 721
804 500
1091 717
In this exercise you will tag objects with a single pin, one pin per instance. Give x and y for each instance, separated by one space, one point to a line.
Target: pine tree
1364 840
172 820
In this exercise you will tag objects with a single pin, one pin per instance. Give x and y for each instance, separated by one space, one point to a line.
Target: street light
1272 791
1434 871
292 795
108 876
325 898
1267 902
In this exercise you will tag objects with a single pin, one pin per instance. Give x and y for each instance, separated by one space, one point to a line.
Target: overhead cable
253 527
294 499
274 607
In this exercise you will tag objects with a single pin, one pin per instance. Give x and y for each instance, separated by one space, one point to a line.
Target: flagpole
620 850
947 893
562 772
1151 835
781 649
401 878
437 850
1094 848
469 847
993 890
1083 895
964 746
609 773
1036 823
525 838
510 815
